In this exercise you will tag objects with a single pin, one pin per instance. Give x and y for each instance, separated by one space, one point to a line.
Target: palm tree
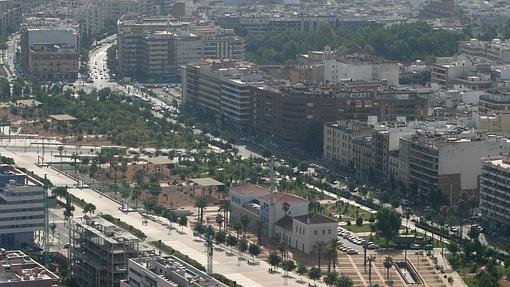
328 250
407 214
334 243
201 203
370 259
245 221
259 224
318 247
225 207
60 149
285 208
219 220
444 215
388 262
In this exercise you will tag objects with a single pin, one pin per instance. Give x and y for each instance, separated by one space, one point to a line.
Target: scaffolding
100 252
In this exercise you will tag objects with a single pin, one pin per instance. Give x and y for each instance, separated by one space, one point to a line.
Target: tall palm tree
328 251
259 224
226 208
388 262
245 221
443 212
407 214
285 208
334 243
370 259
201 203
319 247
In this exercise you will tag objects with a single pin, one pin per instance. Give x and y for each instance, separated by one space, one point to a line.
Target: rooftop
249 189
314 219
206 181
15 266
62 117
106 230
281 197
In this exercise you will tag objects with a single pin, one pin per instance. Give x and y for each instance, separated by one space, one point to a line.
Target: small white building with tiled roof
302 232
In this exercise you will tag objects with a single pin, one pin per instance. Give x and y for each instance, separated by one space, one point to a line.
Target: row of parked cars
355 240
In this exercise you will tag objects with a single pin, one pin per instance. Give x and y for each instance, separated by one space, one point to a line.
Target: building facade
50 49
495 189
19 270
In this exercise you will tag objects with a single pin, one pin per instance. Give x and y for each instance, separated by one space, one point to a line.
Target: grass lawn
348 212
356 229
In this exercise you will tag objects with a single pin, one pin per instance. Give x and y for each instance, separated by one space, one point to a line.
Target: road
10 55
246 274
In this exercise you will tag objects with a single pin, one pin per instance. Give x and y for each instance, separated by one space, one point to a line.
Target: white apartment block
495 189
495 50
168 271
21 214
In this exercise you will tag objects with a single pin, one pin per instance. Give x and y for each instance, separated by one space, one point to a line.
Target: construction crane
46 240
210 250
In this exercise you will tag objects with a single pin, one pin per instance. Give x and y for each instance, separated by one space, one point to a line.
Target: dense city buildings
22 209
50 49
10 16
495 189
166 271
100 252
155 48
19 270
495 50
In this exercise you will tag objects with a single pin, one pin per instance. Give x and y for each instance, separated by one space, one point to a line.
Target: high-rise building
21 209
10 16
495 189
156 47
50 49
100 252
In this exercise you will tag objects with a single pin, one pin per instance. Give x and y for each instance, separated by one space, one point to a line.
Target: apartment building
495 189
21 209
154 48
449 162
19 270
167 271
496 50
221 88
447 69
50 49
10 16
100 252
284 111
339 138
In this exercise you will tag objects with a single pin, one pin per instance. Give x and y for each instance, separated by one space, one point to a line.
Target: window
329 231
324 232
315 232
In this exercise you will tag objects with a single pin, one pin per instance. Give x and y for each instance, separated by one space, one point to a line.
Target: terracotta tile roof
249 188
285 222
281 197
314 219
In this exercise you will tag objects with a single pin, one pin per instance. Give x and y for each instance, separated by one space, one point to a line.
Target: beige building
50 49
303 232
495 189
154 48
338 138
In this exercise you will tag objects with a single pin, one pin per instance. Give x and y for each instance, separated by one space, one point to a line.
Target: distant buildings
21 209
496 50
495 189
168 271
10 16
19 270
100 252
446 70
50 49
155 48
302 229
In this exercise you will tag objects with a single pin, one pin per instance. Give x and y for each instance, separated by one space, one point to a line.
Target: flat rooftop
107 230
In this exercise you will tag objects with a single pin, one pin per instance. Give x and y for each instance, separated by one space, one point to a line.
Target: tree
314 273
301 269
53 226
219 220
330 278
289 265
443 212
388 223
318 248
243 246
254 250
370 259
225 207
238 227
259 224
388 263
220 237
139 177
231 241
274 259
183 221
201 203
343 281
474 232
453 248
245 220
359 221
